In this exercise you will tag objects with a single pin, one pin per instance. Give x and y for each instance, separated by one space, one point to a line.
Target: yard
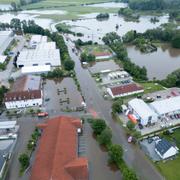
101 51
170 168
150 87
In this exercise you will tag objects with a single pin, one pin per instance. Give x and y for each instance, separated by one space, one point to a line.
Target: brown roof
23 95
56 156
125 89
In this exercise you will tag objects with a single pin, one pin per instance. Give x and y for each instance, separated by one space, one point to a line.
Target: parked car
42 114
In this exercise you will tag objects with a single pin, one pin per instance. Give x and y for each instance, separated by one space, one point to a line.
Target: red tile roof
56 156
23 95
125 89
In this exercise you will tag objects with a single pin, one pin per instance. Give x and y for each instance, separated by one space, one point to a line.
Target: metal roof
141 108
162 146
7 124
35 69
167 105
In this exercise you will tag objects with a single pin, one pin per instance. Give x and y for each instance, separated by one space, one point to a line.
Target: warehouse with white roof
39 57
37 39
166 106
142 111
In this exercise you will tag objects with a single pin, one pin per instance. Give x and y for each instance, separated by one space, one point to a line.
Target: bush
115 154
105 137
130 125
24 161
128 174
69 65
98 125
116 106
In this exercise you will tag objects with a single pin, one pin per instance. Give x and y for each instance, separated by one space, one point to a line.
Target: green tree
69 65
128 174
176 41
24 161
98 125
117 106
130 125
115 154
105 137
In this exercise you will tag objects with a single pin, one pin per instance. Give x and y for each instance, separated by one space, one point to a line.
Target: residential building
57 156
165 149
167 106
124 90
26 92
143 113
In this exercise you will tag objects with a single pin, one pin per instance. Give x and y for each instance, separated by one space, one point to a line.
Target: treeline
128 14
154 4
25 2
31 27
163 34
113 40
172 80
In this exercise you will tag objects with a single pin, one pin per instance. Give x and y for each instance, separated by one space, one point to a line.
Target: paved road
133 156
5 75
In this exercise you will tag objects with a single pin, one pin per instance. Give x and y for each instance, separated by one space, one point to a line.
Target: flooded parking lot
104 65
61 95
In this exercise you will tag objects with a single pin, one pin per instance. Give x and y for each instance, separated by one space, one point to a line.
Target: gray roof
162 146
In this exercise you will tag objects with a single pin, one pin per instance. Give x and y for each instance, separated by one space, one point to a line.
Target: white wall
125 94
23 103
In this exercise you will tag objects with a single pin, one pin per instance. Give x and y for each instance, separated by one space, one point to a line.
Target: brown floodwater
160 63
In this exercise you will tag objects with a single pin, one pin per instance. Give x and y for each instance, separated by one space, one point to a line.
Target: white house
26 92
165 149
124 90
142 111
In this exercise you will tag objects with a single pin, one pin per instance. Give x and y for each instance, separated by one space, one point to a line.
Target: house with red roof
57 154
125 90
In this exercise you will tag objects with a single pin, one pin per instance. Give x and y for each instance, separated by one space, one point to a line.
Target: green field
150 87
93 49
60 3
8 1
170 168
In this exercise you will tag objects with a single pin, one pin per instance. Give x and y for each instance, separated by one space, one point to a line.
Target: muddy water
94 30
160 63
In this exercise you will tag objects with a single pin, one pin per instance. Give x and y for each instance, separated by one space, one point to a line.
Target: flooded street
160 63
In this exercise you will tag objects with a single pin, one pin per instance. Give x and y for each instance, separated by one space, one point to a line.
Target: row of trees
102 16
3 90
164 34
114 41
115 151
87 57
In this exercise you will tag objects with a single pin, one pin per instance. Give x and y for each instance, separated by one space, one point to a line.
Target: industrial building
124 90
39 57
26 92
36 40
57 153
35 69
167 106
6 38
143 113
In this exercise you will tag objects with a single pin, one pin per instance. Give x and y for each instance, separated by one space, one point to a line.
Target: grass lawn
8 1
93 49
170 168
150 87
60 3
